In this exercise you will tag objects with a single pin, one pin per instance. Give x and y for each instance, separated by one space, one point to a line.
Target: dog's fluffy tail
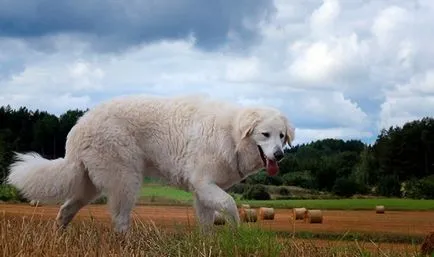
45 180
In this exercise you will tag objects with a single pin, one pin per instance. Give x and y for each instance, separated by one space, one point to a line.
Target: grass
154 193
356 236
35 237
171 193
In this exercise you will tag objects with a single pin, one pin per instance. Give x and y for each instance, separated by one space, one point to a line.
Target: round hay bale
379 209
266 213
219 218
248 215
34 203
298 213
427 246
245 206
313 216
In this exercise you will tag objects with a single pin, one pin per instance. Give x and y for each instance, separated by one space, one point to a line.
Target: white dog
202 145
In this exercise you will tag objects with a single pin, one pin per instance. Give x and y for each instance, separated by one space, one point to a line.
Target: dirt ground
402 223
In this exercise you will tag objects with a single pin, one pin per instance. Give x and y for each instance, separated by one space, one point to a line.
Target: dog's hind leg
85 194
122 198
115 163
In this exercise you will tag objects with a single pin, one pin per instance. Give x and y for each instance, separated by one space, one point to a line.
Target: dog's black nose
278 155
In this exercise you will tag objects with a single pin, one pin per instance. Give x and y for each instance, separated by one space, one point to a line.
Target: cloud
308 135
112 25
409 101
55 104
322 19
331 70
328 61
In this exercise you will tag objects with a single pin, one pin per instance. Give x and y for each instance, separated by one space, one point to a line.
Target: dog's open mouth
270 165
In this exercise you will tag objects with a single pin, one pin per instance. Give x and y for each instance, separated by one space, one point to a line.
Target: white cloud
317 110
409 101
335 107
397 111
308 135
243 69
84 76
387 25
54 103
322 19
421 85
315 64
322 62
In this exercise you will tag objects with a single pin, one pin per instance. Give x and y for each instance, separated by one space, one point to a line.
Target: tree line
24 130
400 163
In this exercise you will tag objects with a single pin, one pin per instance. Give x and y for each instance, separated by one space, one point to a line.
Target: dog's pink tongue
272 167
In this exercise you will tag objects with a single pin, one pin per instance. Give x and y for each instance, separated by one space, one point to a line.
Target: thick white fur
194 142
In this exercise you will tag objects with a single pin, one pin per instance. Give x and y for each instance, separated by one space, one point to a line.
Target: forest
400 163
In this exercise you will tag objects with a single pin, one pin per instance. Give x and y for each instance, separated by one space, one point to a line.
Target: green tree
406 151
366 170
45 132
345 187
389 186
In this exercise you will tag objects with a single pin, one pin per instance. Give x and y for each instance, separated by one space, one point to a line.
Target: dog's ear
246 122
290 132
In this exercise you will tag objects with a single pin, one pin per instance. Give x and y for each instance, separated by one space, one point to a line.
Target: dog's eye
281 135
266 134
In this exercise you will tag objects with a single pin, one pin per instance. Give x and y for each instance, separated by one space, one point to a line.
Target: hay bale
248 215
266 213
427 246
247 206
313 216
379 209
219 218
298 213
34 203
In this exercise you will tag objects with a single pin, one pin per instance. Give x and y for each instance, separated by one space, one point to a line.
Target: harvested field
399 222
406 223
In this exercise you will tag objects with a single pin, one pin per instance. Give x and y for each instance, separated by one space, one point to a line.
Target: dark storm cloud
128 22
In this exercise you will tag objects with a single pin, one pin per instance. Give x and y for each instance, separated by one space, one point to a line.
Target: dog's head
267 130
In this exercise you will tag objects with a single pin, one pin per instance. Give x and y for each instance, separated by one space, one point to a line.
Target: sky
337 68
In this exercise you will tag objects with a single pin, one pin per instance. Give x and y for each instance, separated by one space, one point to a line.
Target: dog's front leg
212 198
